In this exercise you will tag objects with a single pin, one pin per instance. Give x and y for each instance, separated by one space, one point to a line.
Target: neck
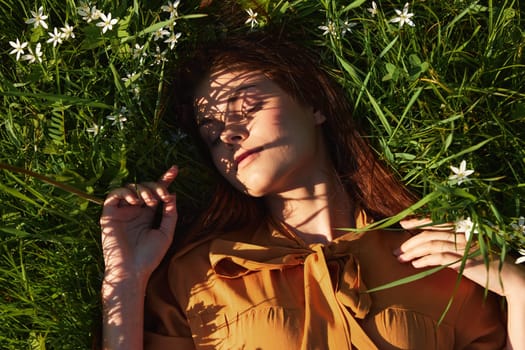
314 211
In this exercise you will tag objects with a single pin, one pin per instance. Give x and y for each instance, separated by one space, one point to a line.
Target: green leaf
65 99
462 152
393 72
379 113
17 194
408 279
352 5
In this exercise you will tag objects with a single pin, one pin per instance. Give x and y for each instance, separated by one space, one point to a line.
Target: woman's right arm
132 250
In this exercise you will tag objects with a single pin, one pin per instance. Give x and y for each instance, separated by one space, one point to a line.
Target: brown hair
298 72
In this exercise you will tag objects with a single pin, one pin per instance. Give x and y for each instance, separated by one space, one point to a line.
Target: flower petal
520 260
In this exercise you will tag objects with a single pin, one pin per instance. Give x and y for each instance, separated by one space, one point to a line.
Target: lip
246 154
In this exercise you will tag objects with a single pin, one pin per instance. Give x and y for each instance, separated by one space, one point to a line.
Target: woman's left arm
439 245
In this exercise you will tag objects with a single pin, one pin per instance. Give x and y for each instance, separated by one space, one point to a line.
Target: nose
234 134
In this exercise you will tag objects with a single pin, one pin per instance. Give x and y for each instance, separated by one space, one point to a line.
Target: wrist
124 280
122 309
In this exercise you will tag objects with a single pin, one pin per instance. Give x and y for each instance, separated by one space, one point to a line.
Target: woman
268 266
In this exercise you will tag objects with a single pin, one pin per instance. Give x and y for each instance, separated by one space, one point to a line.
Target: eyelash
256 107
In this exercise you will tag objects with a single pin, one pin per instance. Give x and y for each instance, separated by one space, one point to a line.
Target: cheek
223 165
227 171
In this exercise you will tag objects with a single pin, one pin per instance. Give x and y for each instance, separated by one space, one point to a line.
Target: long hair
299 73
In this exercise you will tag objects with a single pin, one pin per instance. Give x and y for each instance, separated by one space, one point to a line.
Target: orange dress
269 290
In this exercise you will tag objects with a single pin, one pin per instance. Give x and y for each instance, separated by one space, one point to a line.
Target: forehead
223 86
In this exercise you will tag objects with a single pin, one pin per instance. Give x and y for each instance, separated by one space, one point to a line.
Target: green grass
446 90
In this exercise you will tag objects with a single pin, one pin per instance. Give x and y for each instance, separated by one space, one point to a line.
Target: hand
132 247
441 245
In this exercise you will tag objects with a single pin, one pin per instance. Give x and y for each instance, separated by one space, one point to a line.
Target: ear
319 117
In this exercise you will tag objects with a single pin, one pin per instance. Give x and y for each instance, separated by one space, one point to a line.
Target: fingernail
397 252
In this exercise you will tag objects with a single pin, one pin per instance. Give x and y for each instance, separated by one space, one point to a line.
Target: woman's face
260 139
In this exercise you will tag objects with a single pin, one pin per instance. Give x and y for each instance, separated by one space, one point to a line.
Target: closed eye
256 107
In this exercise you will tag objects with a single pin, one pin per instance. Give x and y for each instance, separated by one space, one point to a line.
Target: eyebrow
235 94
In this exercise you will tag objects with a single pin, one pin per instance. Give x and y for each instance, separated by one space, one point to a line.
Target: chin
253 191
257 181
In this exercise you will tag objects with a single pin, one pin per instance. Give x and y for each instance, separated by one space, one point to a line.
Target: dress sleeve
165 323
481 321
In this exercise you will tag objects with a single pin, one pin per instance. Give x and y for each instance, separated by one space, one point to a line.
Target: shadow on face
239 112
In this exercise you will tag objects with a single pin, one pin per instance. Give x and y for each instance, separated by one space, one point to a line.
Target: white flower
138 51
95 129
403 17
119 118
520 227
136 94
373 9
159 56
107 22
67 32
171 8
130 78
55 37
38 18
465 226
252 18
95 13
88 13
84 10
461 174
328 29
521 259
32 57
160 33
172 40
347 26
18 48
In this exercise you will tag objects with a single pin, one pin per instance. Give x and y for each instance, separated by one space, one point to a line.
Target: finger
430 247
157 189
438 260
169 215
412 223
117 196
424 223
427 236
167 178
146 194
